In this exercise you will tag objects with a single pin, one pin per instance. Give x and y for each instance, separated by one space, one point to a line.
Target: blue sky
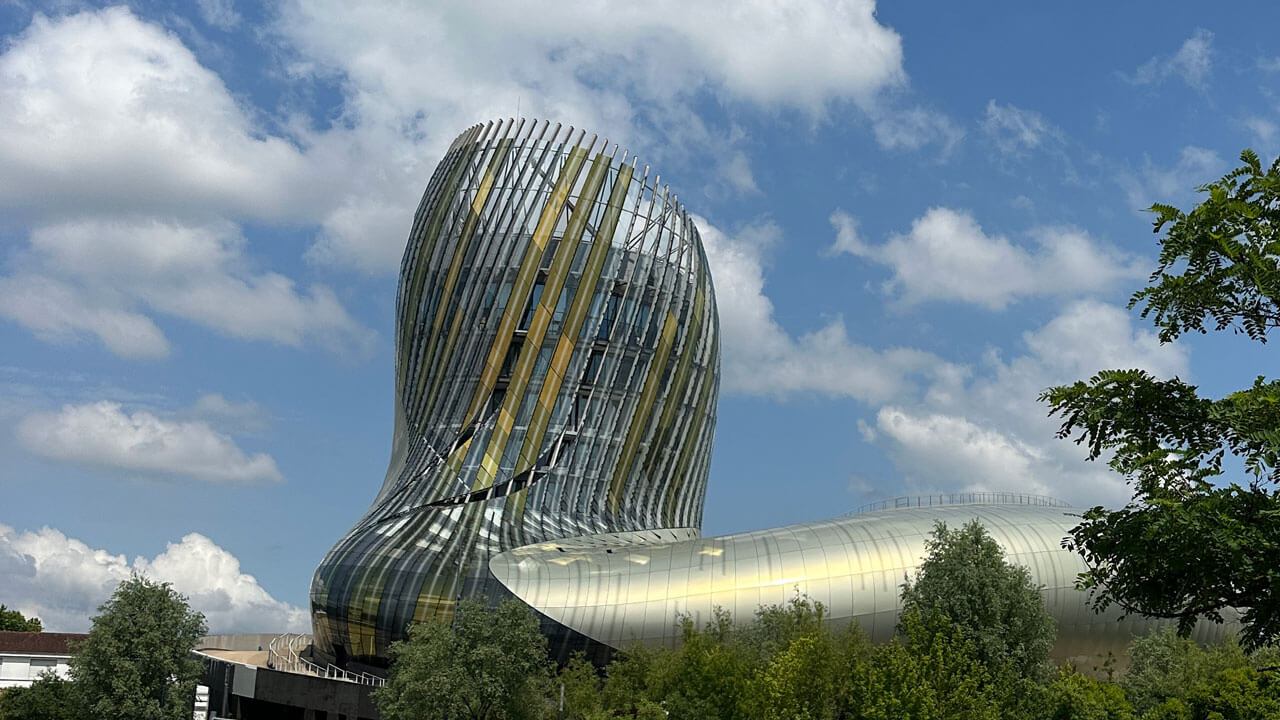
918 215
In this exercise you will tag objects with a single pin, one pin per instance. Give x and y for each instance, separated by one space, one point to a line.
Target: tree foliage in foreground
490 664
48 698
993 604
1192 543
136 663
948 661
12 620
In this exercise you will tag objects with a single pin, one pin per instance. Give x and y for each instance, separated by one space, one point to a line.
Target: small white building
24 656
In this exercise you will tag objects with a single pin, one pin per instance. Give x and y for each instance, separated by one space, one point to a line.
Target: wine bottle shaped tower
557 366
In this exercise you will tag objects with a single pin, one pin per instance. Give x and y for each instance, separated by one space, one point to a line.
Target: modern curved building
557 368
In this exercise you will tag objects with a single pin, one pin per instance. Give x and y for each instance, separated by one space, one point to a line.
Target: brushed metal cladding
620 590
557 365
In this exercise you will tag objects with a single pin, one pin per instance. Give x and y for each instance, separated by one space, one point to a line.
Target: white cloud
132 160
57 312
414 75
219 13
230 416
95 276
737 173
759 357
947 256
1193 62
914 128
1015 130
1151 184
986 432
100 110
937 450
102 435
62 581
1265 132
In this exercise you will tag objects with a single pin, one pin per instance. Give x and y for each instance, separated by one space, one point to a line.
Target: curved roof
855 565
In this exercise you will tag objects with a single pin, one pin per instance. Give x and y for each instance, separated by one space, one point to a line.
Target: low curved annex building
626 588
557 369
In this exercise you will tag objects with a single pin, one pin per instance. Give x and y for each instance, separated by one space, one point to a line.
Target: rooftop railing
285 653
967 498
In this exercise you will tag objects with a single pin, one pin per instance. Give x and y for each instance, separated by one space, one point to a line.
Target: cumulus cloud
945 449
947 256
98 276
133 163
413 75
58 312
62 581
1015 130
986 432
1193 62
101 110
760 357
102 435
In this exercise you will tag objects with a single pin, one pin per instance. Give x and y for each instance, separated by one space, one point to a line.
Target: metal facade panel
544 286
854 565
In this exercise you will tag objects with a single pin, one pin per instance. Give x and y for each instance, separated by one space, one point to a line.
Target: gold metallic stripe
640 418
675 395
574 321
541 321
524 281
444 577
455 267
524 172
692 435
423 255
375 573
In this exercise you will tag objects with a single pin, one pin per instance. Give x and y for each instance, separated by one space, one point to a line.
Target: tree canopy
789 662
992 603
48 698
13 621
1192 542
136 663
490 664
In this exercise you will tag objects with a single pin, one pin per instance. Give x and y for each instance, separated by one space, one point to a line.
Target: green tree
582 689
48 698
136 663
1072 696
930 672
626 691
1169 671
706 678
992 603
1189 545
775 627
13 620
491 664
803 682
802 668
